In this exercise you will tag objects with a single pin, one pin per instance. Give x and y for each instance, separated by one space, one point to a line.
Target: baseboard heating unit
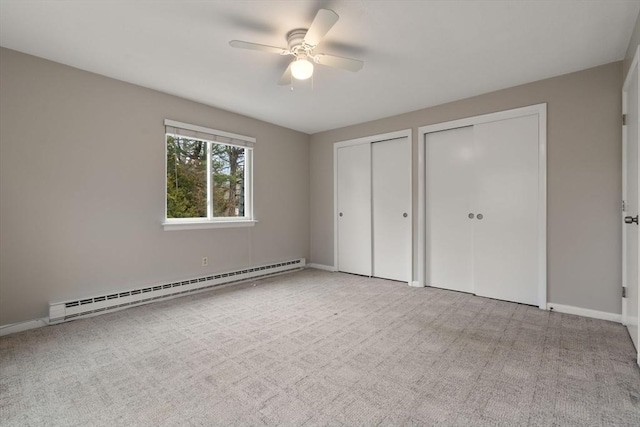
86 307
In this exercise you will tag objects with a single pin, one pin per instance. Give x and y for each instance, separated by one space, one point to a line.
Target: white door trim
369 140
541 111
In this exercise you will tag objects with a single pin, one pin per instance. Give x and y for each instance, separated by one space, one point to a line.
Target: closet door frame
541 111
370 140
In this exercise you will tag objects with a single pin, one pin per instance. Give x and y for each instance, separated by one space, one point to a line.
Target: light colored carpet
316 348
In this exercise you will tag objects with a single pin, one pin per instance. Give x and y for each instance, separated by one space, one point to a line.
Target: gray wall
82 189
583 170
82 185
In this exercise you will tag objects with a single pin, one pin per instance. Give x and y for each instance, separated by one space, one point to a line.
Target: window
208 179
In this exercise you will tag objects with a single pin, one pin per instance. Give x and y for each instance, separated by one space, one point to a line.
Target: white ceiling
417 53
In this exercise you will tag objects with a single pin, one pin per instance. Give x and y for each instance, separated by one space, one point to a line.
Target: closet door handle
404 215
631 219
479 216
340 214
470 215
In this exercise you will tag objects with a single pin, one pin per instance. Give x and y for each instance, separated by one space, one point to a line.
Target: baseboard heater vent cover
86 307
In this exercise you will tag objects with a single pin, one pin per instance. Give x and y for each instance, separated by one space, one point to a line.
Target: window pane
227 178
186 178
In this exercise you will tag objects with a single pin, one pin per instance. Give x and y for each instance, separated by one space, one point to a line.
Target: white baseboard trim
322 267
415 284
14 328
595 314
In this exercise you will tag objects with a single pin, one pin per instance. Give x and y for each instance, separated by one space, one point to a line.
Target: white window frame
216 137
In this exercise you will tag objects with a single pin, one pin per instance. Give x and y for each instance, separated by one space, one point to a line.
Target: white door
482 209
391 190
449 174
354 209
630 197
506 225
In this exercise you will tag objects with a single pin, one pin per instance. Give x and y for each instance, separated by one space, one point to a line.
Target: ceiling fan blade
322 23
348 64
286 77
261 47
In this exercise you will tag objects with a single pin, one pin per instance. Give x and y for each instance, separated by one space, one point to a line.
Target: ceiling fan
301 43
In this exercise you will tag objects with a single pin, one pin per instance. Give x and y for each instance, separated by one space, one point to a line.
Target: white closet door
391 189
506 226
449 187
354 209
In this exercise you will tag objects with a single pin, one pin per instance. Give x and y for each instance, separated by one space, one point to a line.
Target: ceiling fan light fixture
301 69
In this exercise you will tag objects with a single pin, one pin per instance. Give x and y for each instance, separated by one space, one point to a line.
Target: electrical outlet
205 261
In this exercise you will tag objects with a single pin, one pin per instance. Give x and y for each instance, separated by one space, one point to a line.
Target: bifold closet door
391 192
450 170
354 209
506 187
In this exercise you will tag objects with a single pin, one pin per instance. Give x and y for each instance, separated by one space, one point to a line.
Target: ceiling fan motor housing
295 40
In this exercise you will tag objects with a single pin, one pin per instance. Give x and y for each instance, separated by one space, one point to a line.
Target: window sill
201 225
